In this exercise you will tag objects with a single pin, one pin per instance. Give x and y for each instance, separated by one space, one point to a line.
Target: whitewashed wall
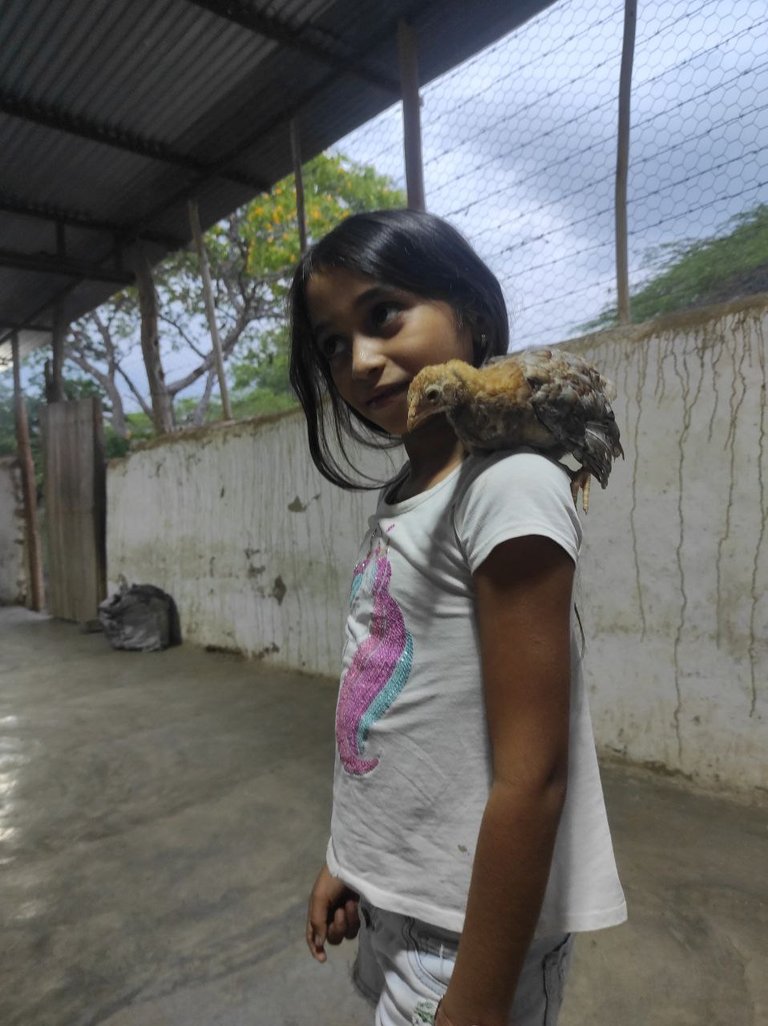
675 571
257 549
236 523
13 577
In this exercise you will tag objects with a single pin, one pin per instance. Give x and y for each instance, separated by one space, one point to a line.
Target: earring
483 338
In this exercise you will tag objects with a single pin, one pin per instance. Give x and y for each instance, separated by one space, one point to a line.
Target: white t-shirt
413 768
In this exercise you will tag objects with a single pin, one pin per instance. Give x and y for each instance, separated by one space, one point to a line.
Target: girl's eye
382 314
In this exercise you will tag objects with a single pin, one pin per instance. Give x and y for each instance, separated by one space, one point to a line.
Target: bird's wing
572 399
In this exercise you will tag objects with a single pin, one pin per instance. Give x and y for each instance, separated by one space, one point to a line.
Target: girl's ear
480 342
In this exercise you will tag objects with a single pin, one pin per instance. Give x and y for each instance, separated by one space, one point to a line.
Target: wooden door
75 508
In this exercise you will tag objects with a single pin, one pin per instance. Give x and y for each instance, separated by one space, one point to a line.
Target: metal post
298 178
622 161
210 310
409 84
28 485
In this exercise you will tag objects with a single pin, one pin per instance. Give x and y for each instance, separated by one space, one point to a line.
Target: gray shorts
403 967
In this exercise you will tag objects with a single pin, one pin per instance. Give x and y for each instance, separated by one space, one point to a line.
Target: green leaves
700 272
251 254
334 188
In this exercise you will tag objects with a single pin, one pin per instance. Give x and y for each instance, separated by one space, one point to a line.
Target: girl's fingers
337 928
353 918
316 927
316 941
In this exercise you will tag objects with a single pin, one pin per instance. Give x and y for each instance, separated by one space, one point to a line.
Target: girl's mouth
386 395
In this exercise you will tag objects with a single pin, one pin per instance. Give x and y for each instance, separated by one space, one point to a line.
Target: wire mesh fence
519 147
519 150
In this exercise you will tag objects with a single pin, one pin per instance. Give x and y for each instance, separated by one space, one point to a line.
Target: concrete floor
163 816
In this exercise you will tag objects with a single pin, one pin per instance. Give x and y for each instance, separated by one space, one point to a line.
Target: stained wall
675 569
254 545
257 548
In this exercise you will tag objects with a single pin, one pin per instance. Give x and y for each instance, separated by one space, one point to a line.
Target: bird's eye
432 394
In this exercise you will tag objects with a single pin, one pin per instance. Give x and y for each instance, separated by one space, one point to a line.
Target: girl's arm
523 609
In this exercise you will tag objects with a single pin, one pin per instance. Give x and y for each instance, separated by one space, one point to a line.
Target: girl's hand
332 915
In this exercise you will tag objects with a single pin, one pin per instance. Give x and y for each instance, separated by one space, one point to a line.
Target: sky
519 149
520 146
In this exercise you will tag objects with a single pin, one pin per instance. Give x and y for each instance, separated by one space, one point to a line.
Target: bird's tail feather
601 447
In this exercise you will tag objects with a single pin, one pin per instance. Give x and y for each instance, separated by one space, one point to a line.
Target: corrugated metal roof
114 112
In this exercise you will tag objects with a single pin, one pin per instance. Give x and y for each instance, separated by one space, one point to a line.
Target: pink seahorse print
378 671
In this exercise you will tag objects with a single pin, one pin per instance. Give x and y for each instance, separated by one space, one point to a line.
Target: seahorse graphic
378 671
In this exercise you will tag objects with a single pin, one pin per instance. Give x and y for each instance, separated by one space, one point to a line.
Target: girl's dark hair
406 249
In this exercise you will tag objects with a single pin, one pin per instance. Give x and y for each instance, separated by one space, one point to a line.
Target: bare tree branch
202 407
146 408
117 416
184 334
228 343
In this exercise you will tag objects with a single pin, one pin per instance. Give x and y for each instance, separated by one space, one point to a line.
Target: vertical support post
56 385
409 85
210 310
34 558
622 161
298 178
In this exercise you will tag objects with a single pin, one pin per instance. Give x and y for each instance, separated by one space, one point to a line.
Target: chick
544 399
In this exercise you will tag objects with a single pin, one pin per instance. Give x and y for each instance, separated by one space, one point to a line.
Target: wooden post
298 178
29 487
210 310
55 393
409 84
622 161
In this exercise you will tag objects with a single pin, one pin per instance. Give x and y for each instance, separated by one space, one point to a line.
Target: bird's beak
416 415
413 416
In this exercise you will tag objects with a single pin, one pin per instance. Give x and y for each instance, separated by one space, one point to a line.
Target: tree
74 388
698 273
251 255
7 419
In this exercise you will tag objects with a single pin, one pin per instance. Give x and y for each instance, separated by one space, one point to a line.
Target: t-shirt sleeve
513 496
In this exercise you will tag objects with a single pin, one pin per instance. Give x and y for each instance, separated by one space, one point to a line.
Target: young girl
469 838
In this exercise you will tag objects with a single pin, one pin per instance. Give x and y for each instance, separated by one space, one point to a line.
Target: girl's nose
367 356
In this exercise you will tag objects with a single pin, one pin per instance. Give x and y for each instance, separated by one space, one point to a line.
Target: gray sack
141 618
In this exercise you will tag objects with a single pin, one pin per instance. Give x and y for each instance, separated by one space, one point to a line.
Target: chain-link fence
520 152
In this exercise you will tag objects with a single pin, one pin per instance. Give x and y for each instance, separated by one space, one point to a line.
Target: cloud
520 146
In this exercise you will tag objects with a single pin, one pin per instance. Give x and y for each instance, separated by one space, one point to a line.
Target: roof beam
324 49
217 169
49 263
10 204
16 326
61 120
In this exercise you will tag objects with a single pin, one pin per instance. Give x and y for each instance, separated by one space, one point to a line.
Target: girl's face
376 338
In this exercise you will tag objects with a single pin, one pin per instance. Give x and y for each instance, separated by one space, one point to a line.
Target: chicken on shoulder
544 399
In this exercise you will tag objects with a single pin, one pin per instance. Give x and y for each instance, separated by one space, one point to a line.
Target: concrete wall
13 575
675 570
236 523
257 548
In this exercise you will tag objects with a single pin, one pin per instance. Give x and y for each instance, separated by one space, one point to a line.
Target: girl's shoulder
521 469
510 494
